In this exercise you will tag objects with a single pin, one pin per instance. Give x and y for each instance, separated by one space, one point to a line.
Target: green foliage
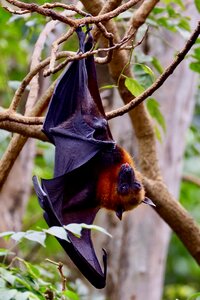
197 3
39 236
178 292
195 65
22 280
144 78
27 281
171 17
16 44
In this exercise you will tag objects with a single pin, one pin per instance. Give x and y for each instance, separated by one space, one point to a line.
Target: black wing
76 124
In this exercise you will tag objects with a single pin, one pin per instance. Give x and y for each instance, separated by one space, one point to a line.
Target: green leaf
155 62
184 24
58 232
195 66
109 86
8 294
197 53
18 236
133 86
6 233
74 228
7 276
71 295
26 296
96 228
6 252
2 283
195 296
197 4
148 71
154 110
157 133
33 270
77 228
36 236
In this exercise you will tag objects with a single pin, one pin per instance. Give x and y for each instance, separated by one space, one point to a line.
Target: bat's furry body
90 171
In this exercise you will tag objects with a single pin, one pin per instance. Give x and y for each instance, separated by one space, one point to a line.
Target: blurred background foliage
17 38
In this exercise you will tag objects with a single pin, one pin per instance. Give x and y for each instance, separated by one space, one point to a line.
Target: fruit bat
90 171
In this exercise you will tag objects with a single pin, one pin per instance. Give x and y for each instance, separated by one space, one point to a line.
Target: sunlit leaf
2 283
7 276
77 228
195 296
96 228
133 86
6 252
197 3
26 296
154 110
157 133
74 228
6 233
58 232
157 65
8 294
148 70
33 270
195 66
109 86
18 236
70 295
184 24
36 236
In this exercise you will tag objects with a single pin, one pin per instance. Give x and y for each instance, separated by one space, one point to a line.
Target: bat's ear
148 201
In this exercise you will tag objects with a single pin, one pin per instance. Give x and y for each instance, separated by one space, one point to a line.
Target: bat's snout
119 212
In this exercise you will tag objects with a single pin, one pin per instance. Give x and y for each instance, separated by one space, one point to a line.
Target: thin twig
55 46
33 7
86 54
65 6
161 79
28 78
60 270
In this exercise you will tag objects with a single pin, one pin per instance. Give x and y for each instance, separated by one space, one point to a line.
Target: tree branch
161 79
33 7
175 216
191 178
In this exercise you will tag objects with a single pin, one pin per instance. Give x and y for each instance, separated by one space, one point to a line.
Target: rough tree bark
16 191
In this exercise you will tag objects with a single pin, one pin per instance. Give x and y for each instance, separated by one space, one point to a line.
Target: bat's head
130 190
119 185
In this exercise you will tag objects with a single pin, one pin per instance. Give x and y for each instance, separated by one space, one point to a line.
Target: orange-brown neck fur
107 187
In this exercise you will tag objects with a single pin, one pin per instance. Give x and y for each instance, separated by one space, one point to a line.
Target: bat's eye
123 189
137 186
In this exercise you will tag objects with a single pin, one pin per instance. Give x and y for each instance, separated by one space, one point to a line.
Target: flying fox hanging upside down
90 171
